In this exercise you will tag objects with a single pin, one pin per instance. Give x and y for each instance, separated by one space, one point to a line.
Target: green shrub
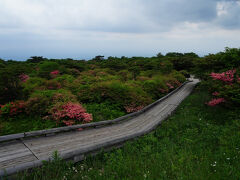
66 78
179 76
38 105
46 68
32 84
104 111
156 87
125 75
185 73
52 84
114 92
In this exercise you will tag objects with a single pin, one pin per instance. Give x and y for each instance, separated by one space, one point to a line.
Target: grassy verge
24 123
198 142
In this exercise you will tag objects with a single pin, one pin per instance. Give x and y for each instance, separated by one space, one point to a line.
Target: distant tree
36 59
2 63
191 54
98 58
159 55
174 54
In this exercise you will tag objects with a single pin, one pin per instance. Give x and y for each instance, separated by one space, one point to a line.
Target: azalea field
42 93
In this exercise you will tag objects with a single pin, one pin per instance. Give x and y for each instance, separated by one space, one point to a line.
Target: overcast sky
82 29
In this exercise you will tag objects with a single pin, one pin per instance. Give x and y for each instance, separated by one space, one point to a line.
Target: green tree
36 59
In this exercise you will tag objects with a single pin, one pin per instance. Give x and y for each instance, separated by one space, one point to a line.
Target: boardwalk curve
26 150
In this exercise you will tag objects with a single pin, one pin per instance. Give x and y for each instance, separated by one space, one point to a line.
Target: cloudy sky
82 29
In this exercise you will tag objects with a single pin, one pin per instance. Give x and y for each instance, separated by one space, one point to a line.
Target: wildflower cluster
70 112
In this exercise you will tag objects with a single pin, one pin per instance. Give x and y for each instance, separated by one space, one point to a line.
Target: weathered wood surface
29 152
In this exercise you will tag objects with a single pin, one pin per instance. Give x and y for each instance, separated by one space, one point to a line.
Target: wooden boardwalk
23 153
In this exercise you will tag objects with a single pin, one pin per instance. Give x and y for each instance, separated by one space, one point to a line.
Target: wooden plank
17 161
14 153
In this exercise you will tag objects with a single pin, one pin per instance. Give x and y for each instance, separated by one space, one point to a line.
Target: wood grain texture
19 155
14 153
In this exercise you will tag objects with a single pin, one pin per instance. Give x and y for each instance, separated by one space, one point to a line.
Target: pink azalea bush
54 74
23 77
215 102
170 86
215 93
70 113
226 87
226 77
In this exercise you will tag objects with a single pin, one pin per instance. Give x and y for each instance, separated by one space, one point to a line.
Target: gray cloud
126 16
229 14
89 27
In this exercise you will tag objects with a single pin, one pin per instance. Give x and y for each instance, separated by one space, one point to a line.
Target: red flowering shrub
70 113
12 108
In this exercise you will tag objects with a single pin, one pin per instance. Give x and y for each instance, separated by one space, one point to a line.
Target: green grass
197 142
24 124
104 111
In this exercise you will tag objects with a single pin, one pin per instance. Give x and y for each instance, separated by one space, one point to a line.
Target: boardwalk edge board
89 125
78 155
